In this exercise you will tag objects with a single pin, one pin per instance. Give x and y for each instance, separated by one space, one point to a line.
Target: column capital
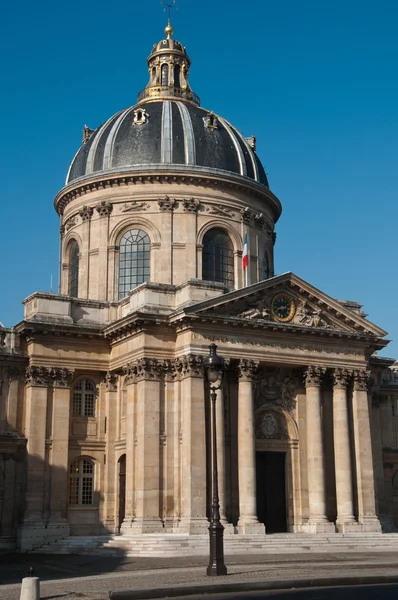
38 376
190 365
86 212
104 208
15 372
148 369
341 378
191 205
361 380
313 376
111 381
248 369
62 378
166 204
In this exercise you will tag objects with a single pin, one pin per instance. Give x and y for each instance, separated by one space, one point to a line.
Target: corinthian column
363 454
318 522
342 453
193 445
248 521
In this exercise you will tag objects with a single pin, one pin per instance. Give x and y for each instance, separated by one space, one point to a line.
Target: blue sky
315 82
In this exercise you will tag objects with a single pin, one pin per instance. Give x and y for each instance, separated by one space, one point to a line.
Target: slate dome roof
167 128
162 133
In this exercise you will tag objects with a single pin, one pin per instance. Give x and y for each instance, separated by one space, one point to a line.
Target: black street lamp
214 367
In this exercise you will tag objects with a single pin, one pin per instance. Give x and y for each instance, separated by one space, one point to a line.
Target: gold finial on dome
169 30
168 6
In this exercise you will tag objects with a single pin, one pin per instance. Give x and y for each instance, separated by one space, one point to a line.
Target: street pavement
90 577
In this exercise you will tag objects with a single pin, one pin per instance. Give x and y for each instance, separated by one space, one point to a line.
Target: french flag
245 257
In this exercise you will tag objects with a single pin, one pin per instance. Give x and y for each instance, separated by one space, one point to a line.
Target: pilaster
147 373
248 521
111 383
166 206
62 381
32 530
130 382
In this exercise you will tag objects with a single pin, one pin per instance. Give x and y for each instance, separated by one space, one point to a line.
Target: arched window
84 399
218 257
81 482
177 71
165 74
134 260
265 266
73 282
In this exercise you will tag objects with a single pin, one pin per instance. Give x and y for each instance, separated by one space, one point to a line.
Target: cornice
165 174
185 321
28 329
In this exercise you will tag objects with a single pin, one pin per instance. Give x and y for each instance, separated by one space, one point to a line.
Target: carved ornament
220 210
248 369
361 380
261 310
38 376
166 204
190 365
15 372
142 369
104 209
341 378
313 376
86 213
247 215
111 381
191 205
71 222
389 377
62 378
277 388
270 426
305 315
140 116
135 206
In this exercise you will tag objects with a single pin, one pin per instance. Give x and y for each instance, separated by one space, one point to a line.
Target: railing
168 91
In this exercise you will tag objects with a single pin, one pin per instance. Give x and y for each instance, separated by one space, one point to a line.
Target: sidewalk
90 577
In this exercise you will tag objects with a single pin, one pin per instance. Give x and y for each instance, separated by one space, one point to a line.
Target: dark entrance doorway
271 492
122 489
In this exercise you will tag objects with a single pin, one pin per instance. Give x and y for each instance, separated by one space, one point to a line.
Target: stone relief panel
277 388
271 425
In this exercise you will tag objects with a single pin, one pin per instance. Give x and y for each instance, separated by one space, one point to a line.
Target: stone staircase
174 545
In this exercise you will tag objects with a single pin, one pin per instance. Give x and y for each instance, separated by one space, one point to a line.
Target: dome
166 128
161 133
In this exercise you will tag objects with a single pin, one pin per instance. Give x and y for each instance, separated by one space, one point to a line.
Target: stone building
104 408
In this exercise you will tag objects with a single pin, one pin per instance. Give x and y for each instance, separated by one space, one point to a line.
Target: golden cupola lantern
168 66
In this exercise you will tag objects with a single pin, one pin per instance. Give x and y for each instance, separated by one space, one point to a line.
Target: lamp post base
216 561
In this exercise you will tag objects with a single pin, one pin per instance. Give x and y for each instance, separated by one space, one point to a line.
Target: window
177 71
218 257
134 261
84 399
73 283
81 482
265 267
165 74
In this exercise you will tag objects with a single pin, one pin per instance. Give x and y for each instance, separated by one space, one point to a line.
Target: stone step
175 545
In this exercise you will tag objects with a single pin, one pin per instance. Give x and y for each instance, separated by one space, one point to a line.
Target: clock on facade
283 308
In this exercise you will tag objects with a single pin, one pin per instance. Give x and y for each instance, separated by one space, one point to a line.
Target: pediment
310 308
